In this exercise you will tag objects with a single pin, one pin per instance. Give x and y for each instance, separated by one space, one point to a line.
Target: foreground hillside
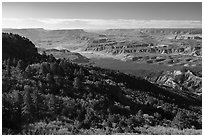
45 95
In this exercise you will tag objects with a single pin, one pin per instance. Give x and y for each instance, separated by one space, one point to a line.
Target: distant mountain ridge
75 38
53 38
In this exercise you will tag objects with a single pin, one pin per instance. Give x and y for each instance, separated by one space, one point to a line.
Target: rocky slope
162 41
171 47
121 47
180 80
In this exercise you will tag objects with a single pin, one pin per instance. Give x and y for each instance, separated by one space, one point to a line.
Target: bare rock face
184 81
131 47
192 82
136 44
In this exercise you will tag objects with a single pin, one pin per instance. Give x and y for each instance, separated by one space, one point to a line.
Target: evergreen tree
80 73
14 62
77 83
51 83
44 54
108 123
44 68
51 58
139 118
8 61
8 67
66 67
37 104
28 71
75 72
49 78
54 67
61 67
179 120
4 64
62 62
51 105
119 129
27 105
20 65
19 101
140 113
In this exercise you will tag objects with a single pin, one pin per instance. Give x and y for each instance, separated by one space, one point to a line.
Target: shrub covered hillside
44 95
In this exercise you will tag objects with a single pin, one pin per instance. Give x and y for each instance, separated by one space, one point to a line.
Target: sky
105 15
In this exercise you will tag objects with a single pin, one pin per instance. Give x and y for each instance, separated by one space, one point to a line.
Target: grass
160 130
61 128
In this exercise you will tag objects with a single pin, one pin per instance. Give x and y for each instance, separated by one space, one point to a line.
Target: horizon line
53 23
107 28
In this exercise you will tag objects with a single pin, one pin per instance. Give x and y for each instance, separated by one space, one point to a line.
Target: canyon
140 52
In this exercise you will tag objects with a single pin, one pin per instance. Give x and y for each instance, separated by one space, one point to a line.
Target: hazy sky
101 15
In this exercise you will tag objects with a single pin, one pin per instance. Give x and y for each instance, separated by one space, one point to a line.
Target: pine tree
44 69
140 113
4 64
139 118
108 124
51 58
81 72
77 84
37 104
66 67
20 65
54 67
51 105
8 61
8 67
28 71
62 62
75 72
50 78
179 120
19 101
119 129
44 54
14 62
62 67
27 105
51 83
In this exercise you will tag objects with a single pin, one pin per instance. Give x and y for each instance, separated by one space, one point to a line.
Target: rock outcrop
124 47
154 41
180 80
